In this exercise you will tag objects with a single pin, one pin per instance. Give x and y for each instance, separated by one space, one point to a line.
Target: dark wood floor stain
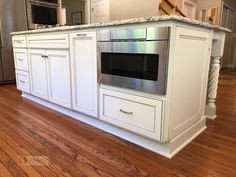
38 142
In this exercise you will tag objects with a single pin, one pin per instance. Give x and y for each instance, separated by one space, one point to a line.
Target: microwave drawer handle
126 112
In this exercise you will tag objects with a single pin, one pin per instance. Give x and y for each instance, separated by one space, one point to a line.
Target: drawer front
21 59
48 41
22 81
19 41
133 113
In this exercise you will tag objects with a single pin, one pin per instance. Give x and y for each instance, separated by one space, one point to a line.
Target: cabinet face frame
88 105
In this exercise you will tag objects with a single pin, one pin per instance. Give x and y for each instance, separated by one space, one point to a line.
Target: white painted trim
168 149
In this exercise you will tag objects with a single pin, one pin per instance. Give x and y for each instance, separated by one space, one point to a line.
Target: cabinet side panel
189 76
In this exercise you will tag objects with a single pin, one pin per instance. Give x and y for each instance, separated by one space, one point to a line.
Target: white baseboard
168 149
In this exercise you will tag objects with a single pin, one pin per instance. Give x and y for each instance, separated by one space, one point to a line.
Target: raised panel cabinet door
84 72
38 73
59 81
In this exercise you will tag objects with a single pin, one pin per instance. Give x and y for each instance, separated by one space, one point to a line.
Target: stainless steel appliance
42 13
134 58
12 18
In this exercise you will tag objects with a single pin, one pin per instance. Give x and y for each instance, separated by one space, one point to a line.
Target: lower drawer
22 81
137 114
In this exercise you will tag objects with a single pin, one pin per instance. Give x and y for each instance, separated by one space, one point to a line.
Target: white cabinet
20 59
22 81
137 114
21 63
19 41
50 75
83 52
58 41
38 73
59 85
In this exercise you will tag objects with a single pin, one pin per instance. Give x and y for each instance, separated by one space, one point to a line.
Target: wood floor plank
11 166
48 169
75 149
28 169
4 171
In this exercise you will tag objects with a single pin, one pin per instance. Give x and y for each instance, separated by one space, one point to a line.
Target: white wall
125 9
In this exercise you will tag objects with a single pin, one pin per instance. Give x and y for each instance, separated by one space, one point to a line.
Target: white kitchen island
58 68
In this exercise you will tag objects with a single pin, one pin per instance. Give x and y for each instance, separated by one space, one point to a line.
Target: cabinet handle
21 81
126 112
44 56
20 59
81 35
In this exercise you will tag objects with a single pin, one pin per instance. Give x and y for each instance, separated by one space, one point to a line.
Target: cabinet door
84 72
59 82
38 73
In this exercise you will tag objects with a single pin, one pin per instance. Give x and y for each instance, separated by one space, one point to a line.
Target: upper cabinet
100 11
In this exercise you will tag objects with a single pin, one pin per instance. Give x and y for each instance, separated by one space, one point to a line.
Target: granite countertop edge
126 21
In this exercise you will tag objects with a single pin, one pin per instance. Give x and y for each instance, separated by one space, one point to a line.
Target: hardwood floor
36 141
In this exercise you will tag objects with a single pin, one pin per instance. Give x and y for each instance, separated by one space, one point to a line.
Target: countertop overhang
126 21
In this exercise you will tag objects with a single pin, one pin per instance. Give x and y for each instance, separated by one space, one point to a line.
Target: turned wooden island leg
210 110
213 79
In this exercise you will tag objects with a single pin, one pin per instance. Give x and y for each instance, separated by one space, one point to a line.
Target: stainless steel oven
42 13
134 58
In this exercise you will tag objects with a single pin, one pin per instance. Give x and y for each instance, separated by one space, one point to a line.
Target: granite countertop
127 21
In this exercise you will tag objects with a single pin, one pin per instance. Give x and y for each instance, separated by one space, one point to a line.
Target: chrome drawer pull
20 59
22 81
125 112
81 35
